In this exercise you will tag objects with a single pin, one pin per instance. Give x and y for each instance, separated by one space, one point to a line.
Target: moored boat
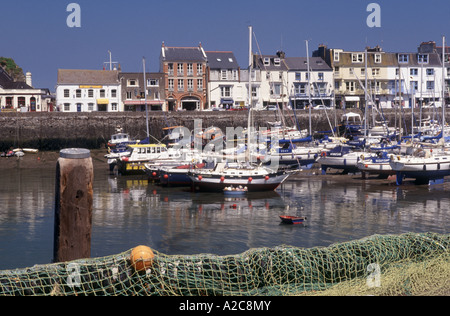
378 164
340 157
177 175
133 162
235 191
431 168
287 219
256 178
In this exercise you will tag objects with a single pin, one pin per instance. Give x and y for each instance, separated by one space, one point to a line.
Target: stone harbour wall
57 130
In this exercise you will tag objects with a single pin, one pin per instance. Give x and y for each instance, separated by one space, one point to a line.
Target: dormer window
336 56
378 58
132 83
358 58
266 61
403 58
277 61
422 58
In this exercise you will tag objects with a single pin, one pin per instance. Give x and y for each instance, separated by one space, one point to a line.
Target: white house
80 90
22 96
225 88
421 74
321 82
273 87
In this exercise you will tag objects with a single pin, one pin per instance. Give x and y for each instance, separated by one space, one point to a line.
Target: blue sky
36 36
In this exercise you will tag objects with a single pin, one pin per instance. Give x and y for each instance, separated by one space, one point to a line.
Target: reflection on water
129 211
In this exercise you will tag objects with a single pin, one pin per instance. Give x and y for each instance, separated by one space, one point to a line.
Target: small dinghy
286 219
235 191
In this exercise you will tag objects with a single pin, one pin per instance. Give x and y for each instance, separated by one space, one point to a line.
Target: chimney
28 79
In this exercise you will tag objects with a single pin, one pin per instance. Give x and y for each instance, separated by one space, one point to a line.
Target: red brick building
185 77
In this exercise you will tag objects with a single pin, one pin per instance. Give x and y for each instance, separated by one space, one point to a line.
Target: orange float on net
141 258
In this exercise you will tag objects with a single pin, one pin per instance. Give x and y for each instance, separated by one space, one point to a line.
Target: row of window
150 83
181 84
152 94
320 88
351 86
376 71
189 69
298 76
229 74
402 58
276 61
90 107
82 93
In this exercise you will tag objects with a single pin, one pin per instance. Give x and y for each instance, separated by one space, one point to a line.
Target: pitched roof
6 82
259 62
194 54
222 60
301 63
84 76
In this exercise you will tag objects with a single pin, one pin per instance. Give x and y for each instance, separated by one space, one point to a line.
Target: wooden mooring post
73 205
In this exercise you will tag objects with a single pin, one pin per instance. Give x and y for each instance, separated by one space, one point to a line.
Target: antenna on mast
112 64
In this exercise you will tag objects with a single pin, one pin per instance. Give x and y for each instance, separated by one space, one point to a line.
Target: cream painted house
80 90
22 96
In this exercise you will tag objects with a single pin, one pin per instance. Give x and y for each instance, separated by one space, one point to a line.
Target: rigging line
278 109
370 98
321 100
270 80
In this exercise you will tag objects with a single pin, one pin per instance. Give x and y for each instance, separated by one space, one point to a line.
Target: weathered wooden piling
73 205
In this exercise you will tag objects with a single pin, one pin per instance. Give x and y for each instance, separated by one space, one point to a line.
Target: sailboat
256 177
433 164
378 164
367 147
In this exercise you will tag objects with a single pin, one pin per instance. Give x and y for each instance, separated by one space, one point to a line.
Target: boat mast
366 96
250 66
309 88
145 93
443 91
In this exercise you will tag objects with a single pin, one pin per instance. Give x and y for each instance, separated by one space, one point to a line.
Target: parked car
321 107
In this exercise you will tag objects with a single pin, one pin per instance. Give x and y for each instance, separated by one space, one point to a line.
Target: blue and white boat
432 168
235 191
378 164
341 157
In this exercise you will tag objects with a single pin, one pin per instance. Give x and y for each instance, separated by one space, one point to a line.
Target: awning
352 99
226 101
102 101
140 102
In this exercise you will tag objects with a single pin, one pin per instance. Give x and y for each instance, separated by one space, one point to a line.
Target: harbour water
129 211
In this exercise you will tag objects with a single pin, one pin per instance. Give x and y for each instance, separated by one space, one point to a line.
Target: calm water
128 212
